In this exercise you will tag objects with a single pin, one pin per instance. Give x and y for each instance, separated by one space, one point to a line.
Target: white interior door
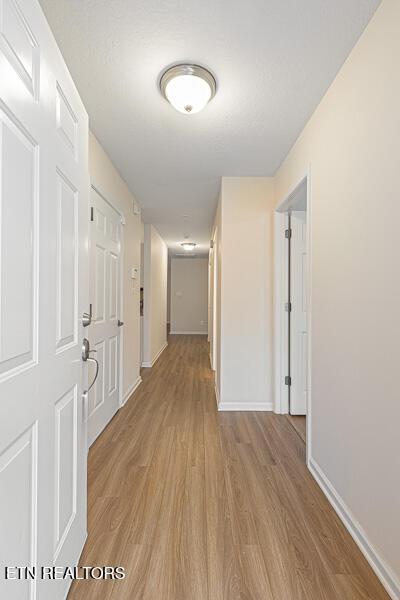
298 315
105 249
43 292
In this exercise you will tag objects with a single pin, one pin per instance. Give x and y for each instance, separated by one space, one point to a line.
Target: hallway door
105 250
298 314
43 293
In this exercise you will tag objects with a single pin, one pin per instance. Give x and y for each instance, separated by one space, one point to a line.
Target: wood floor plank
201 505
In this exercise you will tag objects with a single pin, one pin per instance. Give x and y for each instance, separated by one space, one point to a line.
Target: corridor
201 505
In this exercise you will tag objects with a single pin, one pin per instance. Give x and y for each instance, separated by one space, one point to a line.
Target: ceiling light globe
188 94
188 246
188 88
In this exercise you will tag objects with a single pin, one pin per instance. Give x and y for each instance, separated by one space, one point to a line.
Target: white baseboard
188 332
148 364
384 573
259 406
131 389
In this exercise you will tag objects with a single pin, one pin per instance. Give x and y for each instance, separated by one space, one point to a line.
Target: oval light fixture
188 246
188 87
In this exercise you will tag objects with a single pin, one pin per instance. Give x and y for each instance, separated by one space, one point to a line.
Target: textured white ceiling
273 60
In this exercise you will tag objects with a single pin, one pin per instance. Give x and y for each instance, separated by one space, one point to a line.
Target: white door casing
211 304
105 294
298 315
44 186
209 300
215 303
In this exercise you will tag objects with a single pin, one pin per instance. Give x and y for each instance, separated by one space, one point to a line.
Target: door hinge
288 307
91 213
288 380
288 234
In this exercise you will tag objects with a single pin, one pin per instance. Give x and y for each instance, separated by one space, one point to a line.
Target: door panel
67 263
19 45
67 122
18 482
19 207
44 187
100 283
105 295
66 467
298 315
113 362
96 398
114 279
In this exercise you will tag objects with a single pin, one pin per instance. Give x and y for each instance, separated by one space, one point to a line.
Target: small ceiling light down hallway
188 246
188 87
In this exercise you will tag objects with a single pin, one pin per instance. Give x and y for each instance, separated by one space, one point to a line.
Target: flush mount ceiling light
187 87
188 246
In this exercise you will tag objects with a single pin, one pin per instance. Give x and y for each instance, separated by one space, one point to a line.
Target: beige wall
155 295
189 295
244 346
352 146
108 181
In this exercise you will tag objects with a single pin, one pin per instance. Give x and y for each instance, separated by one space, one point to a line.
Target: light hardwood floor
299 423
201 505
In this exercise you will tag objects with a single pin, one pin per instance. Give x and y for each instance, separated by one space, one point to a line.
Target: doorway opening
292 301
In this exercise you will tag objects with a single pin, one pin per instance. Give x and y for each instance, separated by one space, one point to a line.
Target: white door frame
98 191
281 289
215 301
210 304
